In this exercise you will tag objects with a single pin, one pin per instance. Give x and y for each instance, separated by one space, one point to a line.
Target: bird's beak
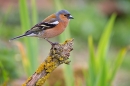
70 17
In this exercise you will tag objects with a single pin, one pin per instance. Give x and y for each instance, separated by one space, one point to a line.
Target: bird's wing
42 26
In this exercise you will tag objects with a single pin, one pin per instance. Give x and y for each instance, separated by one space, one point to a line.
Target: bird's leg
50 42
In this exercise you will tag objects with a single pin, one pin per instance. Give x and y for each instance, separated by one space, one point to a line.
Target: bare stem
59 54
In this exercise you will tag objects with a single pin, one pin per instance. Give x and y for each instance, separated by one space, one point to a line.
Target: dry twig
58 55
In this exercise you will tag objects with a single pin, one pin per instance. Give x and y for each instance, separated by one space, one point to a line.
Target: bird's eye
65 15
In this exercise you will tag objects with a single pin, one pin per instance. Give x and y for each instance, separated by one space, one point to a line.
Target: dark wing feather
42 26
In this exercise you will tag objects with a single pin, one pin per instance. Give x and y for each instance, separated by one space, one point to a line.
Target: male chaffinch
50 27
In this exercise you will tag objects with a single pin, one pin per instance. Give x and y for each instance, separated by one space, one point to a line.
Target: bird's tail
18 37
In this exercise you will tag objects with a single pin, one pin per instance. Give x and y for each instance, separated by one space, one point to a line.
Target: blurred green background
19 59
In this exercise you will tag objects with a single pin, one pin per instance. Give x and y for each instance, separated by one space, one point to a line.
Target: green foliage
58 83
7 63
31 44
100 73
6 29
117 64
88 21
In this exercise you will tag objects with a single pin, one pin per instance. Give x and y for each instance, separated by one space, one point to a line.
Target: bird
50 27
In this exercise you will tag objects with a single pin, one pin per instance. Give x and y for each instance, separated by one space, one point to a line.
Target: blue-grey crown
62 12
65 13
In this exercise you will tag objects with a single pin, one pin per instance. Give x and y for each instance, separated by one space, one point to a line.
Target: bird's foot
52 43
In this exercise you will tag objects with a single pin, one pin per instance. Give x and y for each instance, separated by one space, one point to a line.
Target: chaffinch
50 27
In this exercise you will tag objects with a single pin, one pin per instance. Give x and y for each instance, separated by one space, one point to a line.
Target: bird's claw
54 43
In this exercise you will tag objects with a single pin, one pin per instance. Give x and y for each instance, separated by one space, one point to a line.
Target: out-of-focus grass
58 83
7 61
126 63
4 74
30 44
68 71
8 69
100 73
23 54
118 61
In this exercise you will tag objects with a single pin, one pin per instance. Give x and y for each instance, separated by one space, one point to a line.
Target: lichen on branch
59 54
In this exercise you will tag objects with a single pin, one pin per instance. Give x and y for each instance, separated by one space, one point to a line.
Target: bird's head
64 14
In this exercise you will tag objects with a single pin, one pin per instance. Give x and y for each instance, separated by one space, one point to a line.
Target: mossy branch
59 54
